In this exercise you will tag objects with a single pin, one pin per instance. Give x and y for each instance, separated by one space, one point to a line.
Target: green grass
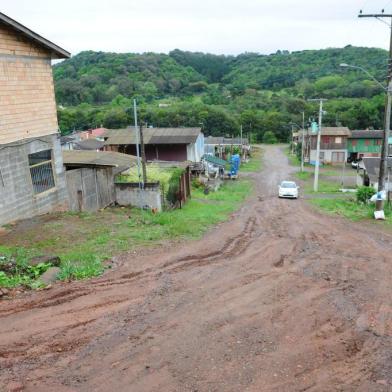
323 187
293 159
96 237
305 175
254 164
350 209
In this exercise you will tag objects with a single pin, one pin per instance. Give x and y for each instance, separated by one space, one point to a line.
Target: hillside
263 92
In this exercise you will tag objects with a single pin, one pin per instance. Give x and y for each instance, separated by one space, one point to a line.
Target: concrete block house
32 177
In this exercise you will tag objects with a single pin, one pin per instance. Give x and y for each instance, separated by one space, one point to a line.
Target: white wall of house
329 156
196 150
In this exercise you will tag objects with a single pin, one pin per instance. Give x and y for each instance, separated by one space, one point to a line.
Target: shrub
174 186
364 193
269 138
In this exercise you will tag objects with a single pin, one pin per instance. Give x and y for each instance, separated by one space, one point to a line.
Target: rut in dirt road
281 298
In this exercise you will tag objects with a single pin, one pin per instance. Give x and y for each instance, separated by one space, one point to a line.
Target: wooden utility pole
387 116
143 151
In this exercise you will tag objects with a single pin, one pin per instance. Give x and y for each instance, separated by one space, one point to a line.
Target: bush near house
364 193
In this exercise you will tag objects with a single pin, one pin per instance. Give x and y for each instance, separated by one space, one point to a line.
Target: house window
378 142
338 140
353 143
41 171
367 142
325 139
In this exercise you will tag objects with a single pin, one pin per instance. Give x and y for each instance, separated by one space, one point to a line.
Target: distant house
32 177
333 145
96 133
369 170
161 144
67 143
217 145
364 144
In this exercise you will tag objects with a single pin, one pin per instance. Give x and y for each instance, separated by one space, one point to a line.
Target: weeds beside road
329 198
85 241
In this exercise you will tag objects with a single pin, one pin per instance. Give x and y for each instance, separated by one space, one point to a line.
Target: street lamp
384 151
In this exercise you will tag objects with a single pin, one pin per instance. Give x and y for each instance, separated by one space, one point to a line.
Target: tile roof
152 136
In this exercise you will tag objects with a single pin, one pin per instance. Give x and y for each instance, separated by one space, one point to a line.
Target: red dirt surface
281 298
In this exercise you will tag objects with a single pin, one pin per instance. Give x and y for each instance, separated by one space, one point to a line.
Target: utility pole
303 141
143 156
387 117
317 165
141 187
137 144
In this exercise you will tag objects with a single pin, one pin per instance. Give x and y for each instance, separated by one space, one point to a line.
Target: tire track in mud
232 248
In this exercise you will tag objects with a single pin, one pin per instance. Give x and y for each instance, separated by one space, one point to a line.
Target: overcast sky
215 26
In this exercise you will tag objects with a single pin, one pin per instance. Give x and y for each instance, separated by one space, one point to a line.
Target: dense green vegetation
264 93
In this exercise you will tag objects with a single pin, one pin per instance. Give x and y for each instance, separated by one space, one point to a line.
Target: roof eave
56 51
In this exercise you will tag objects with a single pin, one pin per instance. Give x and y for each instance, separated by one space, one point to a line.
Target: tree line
263 93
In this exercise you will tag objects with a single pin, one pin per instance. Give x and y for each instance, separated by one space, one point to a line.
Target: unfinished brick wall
27 101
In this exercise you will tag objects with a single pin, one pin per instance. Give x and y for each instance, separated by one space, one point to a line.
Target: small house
161 144
32 177
91 177
361 144
333 145
219 145
369 171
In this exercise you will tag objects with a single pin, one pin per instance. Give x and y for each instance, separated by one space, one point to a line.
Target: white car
288 189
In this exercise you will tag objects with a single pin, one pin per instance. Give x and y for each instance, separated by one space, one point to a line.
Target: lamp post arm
369 74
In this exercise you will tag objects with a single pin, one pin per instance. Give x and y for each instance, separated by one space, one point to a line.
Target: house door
337 157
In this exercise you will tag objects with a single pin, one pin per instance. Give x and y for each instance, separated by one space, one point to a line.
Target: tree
269 138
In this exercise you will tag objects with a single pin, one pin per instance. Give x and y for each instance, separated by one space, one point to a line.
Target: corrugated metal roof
366 134
152 136
372 167
98 158
217 140
57 52
215 160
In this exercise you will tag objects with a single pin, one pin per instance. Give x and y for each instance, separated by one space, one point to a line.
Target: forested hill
198 86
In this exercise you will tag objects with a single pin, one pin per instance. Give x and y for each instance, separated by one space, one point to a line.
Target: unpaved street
281 298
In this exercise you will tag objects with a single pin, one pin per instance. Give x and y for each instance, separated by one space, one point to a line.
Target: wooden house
32 178
333 145
161 144
363 144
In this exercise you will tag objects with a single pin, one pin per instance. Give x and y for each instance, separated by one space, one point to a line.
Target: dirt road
281 298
